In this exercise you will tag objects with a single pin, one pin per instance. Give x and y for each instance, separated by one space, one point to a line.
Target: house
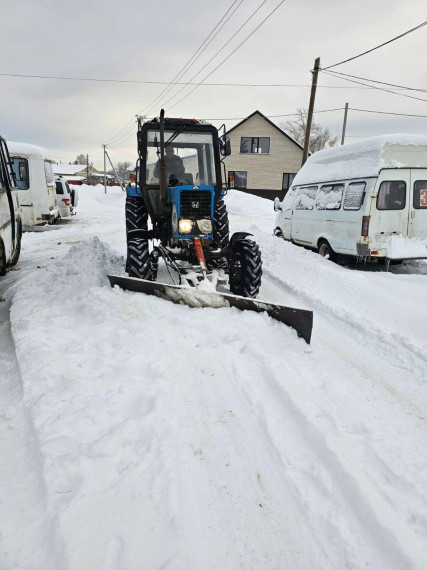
74 173
264 159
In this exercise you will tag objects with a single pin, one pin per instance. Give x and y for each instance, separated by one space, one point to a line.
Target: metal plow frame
299 319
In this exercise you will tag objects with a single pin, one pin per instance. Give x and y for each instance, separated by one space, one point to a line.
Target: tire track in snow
24 518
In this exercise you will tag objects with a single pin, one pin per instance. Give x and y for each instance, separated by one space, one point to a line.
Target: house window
287 180
237 179
255 145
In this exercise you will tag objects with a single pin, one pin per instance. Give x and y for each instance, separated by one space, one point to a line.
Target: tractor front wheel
139 262
245 268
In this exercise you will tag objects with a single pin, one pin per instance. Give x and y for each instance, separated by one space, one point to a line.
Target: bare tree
123 172
320 137
81 159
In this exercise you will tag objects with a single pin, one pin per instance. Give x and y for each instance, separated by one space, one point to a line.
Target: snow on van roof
364 159
16 148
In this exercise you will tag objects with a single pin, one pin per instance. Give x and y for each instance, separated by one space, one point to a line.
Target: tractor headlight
205 226
185 226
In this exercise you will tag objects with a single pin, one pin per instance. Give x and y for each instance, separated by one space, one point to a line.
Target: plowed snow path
203 439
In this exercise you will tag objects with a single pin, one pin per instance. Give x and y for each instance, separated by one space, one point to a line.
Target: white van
66 197
366 199
36 184
10 213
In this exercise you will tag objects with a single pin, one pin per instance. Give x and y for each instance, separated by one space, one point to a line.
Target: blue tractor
176 212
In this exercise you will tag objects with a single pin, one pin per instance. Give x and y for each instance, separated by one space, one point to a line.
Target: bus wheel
278 233
325 250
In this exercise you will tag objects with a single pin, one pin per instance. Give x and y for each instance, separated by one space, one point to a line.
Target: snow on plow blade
299 319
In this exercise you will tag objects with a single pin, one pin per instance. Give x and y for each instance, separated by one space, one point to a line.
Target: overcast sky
151 41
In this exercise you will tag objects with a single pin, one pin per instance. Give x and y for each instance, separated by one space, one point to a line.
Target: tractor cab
180 174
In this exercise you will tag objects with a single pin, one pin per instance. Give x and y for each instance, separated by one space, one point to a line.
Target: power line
238 119
233 52
379 82
220 50
333 74
387 113
103 80
377 47
199 51
182 70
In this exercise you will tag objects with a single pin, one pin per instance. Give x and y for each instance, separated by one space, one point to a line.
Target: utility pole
87 167
114 170
105 170
315 73
344 124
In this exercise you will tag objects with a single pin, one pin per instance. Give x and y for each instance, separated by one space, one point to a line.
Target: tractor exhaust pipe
162 170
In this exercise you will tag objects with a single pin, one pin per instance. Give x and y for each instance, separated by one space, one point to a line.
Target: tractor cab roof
175 121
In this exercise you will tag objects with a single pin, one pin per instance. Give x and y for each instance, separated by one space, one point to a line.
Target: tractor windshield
189 157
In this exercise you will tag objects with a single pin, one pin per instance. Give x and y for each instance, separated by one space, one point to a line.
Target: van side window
48 172
330 197
305 198
288 201
354 196
392 195
20 168
420 194
59 189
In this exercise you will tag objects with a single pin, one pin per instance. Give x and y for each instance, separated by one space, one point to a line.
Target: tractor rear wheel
136 214
139 262
15 257
245 269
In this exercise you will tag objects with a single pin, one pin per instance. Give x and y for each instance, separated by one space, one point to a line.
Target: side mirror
225 146
277 205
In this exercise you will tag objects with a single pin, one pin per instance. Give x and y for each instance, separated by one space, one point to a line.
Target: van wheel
278 233
15 257
325 250
2 259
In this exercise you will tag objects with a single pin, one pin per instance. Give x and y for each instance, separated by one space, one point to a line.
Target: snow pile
364 159
403 247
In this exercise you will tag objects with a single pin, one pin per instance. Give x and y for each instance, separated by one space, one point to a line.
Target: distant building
264 159
75 173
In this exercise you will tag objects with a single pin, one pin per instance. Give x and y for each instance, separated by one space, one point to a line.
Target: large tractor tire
221 232
245 269
136 214
139 262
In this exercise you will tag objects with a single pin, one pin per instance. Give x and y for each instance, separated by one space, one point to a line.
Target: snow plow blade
299 319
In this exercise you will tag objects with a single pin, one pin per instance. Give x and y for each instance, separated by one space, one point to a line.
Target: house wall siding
265 171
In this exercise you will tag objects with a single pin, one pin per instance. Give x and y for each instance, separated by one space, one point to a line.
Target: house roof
284 133
69 168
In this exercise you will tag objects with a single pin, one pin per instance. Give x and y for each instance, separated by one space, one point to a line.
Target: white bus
10 213
36 184
366 199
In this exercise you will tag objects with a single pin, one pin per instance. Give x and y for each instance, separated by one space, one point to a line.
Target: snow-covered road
135 433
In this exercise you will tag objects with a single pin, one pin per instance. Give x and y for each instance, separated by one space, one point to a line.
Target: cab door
417 224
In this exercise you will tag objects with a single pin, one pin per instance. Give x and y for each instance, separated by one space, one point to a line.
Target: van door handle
412 214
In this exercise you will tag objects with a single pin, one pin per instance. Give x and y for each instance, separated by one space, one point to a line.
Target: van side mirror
277 204
225 146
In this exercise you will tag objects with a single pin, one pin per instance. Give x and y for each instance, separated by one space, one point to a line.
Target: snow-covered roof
19 148
364 159
68 168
